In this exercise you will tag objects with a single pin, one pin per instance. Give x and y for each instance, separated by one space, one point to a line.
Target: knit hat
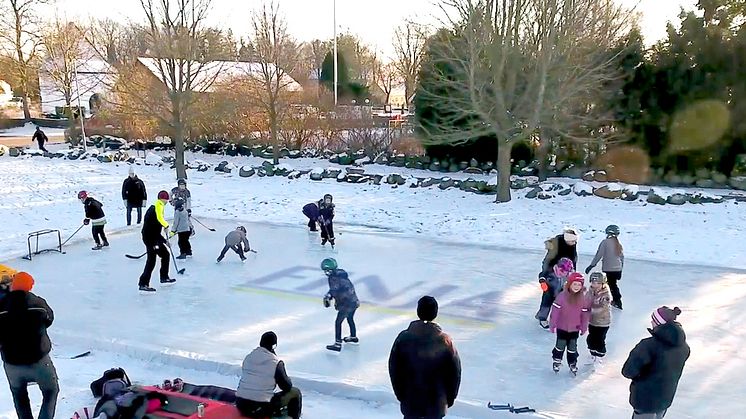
22 281
597 277
665 315
132 170
163 195
427 308
570 235
575 277
268 340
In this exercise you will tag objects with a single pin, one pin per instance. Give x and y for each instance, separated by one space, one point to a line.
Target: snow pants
44 374
547 299
158 250
291 400
566 340
98 234
658 415
237 248
327 230
597 340
41 146
612 278
341 316
185 248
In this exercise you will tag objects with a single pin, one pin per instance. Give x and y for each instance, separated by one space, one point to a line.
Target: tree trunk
26 110
179 146
503 169
541 155
273 136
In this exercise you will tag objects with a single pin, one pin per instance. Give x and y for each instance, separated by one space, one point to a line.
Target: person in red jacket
571 313
424 366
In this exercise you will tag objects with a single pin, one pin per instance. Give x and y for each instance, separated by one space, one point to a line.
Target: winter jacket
600 307
607 251
24 319
655 366
181 222
261 371
133 191
94 210
570 317
153 224
425 370
557 248
311 211
326 212
39 136
342 291
183 194
236 237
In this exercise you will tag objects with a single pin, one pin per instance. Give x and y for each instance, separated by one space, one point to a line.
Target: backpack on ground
97 387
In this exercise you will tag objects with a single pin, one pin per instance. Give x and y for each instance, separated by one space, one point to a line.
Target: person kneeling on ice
312 212
94 214
261 372
424 366
326 219
571 313
551 285
25 347
345 299
656 364
153 227
236 240
600 315
182 226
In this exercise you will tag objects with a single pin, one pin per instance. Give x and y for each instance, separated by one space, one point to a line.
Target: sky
373 20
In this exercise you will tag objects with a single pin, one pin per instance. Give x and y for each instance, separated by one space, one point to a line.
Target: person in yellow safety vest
153 226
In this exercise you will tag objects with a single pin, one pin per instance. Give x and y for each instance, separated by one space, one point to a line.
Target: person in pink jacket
571 312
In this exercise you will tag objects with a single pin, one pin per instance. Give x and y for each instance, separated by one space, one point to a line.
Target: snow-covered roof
213 72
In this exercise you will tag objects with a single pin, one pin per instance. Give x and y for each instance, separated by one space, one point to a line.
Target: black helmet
181 181
241 228
612 230
331 198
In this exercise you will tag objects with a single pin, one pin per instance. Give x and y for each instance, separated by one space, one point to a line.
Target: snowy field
478 259
28 130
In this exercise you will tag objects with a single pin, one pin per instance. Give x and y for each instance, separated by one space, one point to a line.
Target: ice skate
336 347
351 339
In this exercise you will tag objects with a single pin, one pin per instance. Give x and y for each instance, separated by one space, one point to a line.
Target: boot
146 288
336 347
167 280
331 241
181 256
544 324
323 242
98 246
351 339
574 369
556 365
106 243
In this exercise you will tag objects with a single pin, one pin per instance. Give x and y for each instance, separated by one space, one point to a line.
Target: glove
588 270
189 212
87 221
544 286
327 301
171 234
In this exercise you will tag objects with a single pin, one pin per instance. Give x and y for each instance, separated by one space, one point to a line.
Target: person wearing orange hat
25 347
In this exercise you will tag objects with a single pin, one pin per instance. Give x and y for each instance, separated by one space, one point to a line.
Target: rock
705 198
654 198
702 173
221 166
688 180
565 192
453 168
485 187
582 189
282 170
518 183
609 191
488 166
738 182
153 159
435 166
719 178
428 182
463 165
284 153
601 176
573 172
705 183
295 174
266 164
473 163
533 193
203 168
588 176
419 165
395 179
345 159
244 150
356 178
677 199
362 161
739 168
473 171
381 159
105 158
410 164
544 195
295 154
630 193
332 173
355 170
317 174
469 185
246 171
446 183
231 150
341 177
228 169
260 172
376 179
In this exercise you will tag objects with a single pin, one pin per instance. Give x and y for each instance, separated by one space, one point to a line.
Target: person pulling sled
346 302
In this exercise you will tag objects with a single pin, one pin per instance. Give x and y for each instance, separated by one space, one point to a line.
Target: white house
94 81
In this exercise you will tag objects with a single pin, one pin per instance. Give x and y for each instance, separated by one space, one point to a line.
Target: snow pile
492 182
341 176
632 189
614 187
362 161
284 166
152 159
582 188
317 171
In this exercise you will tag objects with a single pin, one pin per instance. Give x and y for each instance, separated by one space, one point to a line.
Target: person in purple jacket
571 313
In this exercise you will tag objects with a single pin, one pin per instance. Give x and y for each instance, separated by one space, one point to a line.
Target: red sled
184 406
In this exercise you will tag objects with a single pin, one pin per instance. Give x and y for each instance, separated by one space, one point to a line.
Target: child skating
345 299
600 315
611 252
569 319
236 240
326 217
94 215
182 226
551 285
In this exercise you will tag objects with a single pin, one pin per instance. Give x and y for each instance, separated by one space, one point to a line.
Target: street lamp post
336 74
81 114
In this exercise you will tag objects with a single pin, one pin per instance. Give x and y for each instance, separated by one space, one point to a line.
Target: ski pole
72 235
200 223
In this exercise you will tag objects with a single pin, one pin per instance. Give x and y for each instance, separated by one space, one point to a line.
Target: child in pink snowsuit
571 312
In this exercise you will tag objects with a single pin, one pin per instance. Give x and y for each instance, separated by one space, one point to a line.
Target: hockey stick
173 258
72 235
323 226
200 223
136 257
80 355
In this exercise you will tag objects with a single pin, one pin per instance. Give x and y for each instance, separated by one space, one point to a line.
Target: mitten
327 301
87 221
588 270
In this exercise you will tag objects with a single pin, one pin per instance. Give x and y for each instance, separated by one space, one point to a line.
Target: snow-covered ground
479 259
28 130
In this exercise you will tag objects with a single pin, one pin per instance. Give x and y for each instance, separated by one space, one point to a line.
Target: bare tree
19 37
65 51
409 48
179 65
521 68
277 55
386 78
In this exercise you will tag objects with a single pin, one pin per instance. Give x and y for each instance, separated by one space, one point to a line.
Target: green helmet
328 264
612 230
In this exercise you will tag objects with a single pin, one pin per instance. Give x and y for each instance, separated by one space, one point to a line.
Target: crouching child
236 240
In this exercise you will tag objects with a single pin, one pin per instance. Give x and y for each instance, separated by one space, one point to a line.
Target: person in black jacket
40 139
134 195
326 219
25 346
94 215
560 246
153 227
655 365
424 366
261 372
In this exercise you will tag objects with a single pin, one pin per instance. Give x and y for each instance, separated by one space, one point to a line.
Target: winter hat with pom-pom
665 315
22 281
